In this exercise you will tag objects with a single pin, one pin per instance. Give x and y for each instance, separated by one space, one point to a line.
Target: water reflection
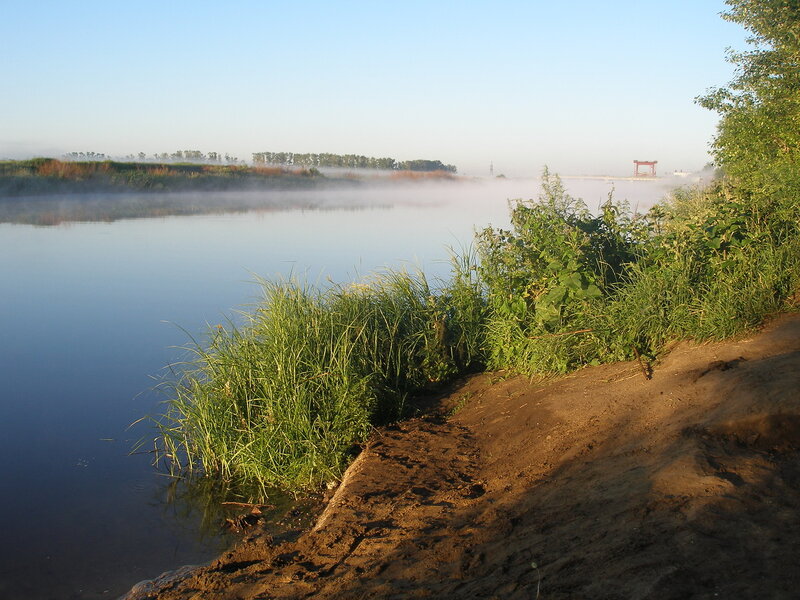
353 194
88 208
215 512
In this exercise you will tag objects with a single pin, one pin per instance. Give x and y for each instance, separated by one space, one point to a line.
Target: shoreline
596 484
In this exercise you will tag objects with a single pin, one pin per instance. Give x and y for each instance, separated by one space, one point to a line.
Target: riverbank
50 176
600 484
47 191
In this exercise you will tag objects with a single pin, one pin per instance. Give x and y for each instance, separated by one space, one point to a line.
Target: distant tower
491 169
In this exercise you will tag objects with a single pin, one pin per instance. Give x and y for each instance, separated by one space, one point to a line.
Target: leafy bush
566 288
548 278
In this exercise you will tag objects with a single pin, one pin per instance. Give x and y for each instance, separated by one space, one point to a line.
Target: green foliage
715 265
758 137
283 400
548 277
739 247
566 288
421 164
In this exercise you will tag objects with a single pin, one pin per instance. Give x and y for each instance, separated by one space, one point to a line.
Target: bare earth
613 486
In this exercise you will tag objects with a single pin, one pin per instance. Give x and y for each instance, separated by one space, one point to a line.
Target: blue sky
584 87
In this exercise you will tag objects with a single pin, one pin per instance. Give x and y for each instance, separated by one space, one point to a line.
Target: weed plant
549 278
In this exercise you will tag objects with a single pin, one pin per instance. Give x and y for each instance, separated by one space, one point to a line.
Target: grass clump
282 400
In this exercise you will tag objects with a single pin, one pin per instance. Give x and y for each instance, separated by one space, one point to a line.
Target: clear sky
582 86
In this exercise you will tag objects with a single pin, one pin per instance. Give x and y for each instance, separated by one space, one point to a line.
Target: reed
284 399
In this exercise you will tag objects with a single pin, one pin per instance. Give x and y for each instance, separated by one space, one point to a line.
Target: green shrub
548 279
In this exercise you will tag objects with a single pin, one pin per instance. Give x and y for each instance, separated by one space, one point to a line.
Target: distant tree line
348 161
194 156
283 159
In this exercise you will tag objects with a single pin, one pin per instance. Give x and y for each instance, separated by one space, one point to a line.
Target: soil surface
602 484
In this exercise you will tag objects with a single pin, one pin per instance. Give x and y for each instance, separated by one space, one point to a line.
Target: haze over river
90 312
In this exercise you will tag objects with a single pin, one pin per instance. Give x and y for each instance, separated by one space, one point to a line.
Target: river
92 312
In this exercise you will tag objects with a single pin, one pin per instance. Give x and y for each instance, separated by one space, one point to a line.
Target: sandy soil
602 484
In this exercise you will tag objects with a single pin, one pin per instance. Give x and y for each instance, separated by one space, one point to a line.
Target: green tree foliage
425 165
85 156
758 139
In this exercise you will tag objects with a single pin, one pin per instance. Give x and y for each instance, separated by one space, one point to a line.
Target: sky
584 87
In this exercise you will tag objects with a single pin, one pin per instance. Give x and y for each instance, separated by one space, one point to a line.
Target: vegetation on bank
566 288
49 176
282 400
47 192
42 176
179 156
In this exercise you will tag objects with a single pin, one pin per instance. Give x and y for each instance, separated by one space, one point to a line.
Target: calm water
89 312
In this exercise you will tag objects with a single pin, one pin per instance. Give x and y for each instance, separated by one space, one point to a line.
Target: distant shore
49 176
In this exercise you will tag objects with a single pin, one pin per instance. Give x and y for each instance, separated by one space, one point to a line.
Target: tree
758 137
426 165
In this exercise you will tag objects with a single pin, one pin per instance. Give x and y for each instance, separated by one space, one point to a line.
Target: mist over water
335 195
90 311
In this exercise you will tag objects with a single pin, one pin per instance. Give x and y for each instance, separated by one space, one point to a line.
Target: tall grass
282 400
718 266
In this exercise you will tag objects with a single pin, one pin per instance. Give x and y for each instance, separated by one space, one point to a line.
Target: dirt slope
614 486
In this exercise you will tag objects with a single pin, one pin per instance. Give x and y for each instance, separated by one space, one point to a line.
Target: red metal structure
644 163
